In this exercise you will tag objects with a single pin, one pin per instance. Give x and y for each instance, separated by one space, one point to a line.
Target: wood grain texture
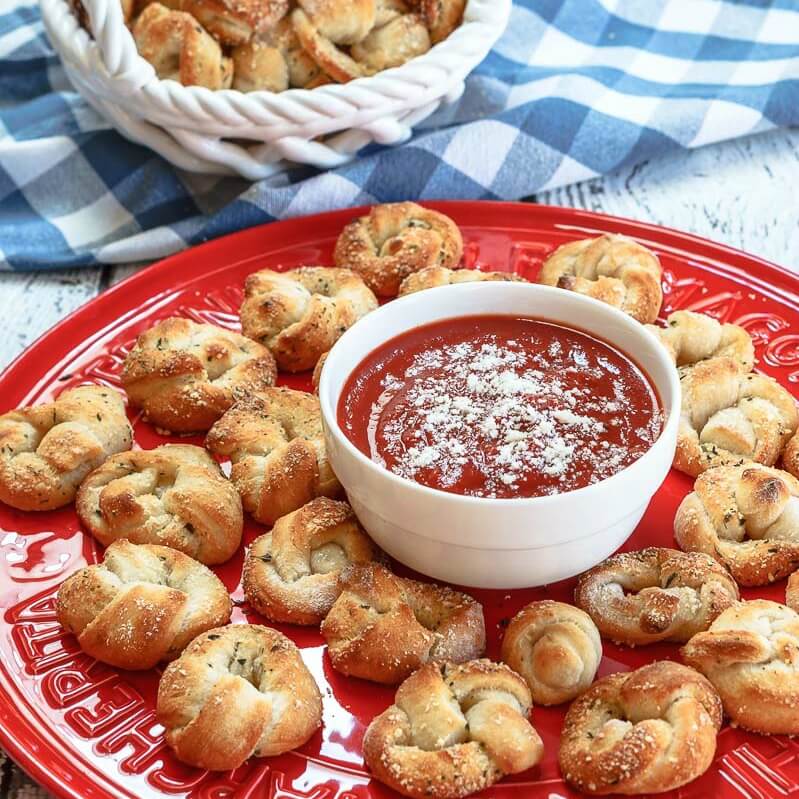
741 193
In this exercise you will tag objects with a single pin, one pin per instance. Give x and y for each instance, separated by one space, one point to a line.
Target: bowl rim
329 408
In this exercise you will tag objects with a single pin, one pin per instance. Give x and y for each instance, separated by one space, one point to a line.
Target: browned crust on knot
751 655
747 518
333 61
47 450
180 49
316 378
300 314
555 647
383 627
453 730
234 22
790 456
655 594
396 240
440 16
275 442
692 337
236 692
648 731
341 21
728 416
792 592
437 276
141 605
185 375
174 495
291 574
611 268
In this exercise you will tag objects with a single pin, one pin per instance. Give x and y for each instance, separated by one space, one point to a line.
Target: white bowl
498 543
255 134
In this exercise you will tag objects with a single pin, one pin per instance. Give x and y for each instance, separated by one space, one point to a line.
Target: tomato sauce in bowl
500 407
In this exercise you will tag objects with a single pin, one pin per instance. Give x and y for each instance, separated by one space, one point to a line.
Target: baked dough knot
333 62
381 34
790 455
792 592
728 416
174 495
611 268
648 731
276 445
436 276
440 16
235 22
316 377
237 692
392 42
180 49
751 655
747 517
291 573
383 627
341 21
259 65
185 375
396 240
47 450
300 314
555 647
655 594
141 605
453 730
692 337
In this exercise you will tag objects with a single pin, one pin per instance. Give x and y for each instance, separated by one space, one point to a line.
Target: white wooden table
741 193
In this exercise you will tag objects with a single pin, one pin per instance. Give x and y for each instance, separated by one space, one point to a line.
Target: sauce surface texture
500 406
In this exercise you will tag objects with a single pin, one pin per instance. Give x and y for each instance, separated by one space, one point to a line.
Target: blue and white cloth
575 89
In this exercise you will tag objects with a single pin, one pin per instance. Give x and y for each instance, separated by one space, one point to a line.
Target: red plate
84 729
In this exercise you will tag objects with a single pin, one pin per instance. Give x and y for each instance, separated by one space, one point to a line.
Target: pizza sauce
500 406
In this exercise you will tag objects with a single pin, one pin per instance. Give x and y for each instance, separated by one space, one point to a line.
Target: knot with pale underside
751 655
611 268
555 647
453 730
747 517
237 692
141 605
47 450
727 417
691 337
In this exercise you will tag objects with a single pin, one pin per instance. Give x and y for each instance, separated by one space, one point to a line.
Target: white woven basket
255 134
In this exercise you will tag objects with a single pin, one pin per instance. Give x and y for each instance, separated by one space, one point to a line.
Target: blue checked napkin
574 89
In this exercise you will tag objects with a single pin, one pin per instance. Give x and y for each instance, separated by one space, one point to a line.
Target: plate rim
39 739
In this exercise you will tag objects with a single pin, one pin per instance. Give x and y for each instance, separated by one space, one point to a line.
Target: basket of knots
244 86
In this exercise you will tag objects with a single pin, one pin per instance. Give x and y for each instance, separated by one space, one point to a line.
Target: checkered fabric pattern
574 89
